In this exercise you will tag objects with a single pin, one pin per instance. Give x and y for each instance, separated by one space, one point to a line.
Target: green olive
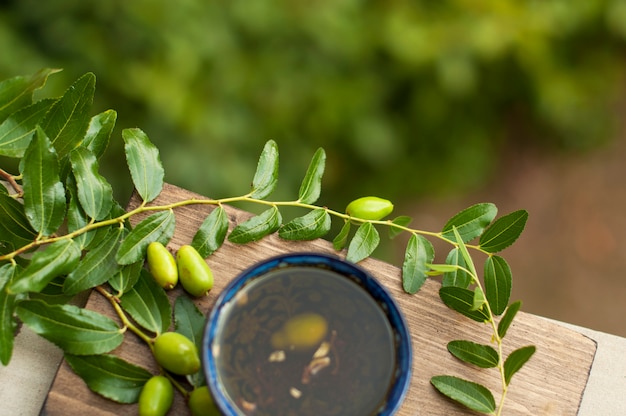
162 265
302 331
201 403
176 353
193 271
369 208
156 397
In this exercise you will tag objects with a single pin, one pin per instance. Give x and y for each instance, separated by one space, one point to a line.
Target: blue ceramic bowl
216 342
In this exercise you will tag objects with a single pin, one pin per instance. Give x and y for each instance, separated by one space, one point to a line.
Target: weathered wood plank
552 383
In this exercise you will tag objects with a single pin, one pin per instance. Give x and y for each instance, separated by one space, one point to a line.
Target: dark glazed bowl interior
401 374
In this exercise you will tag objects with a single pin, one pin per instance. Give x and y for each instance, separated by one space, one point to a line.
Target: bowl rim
393 313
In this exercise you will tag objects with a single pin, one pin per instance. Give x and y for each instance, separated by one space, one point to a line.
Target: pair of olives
189 267
179 355
157 396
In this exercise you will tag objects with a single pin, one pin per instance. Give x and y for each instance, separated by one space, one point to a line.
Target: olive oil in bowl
306 336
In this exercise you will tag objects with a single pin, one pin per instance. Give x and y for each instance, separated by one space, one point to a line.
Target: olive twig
120 312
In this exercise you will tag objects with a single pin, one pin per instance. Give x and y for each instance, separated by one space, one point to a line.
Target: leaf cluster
63 233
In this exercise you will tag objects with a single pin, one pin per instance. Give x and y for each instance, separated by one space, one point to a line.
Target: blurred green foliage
407 96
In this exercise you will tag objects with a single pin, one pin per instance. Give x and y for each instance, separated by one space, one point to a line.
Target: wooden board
552 383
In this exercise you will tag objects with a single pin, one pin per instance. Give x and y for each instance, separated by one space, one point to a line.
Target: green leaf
340 241
516 360
459 276
462 301
507 318
401 221
266 175
364 242
17 92
212 233
465 254
478 301
55 260
313 225
148 304
76 217
44 194
483 356
144 164
157 227
8 325
94 192
96 267
504 231
189 321
67 120
256 227
14 226
99 132
472 395
53 293
311 186
418 255
126 277
110 376
498 282
471 222
17 130
75 330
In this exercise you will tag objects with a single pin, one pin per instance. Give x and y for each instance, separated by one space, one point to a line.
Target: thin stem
114 301
11 180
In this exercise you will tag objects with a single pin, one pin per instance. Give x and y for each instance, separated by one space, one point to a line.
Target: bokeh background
435 105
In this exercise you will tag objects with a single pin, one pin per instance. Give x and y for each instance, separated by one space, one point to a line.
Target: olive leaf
17 130
462 301
266 175
144 163
472 395
76 216
313 225
57 259
507 318
97 266
189 321
99 132
17 92
498 282
459 276
148 304
311 186
8 324
471 222
212 233
256 227
340 241
401 221
504 231
418 255
110 376
94 192
68 118
75 330
44 194
53 293
126 277
14 226
483 356
157 227
364 242
516 360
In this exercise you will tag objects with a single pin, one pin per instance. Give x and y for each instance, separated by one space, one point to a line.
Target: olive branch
62 232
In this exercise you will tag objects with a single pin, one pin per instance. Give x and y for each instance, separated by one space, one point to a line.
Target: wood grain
552 383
